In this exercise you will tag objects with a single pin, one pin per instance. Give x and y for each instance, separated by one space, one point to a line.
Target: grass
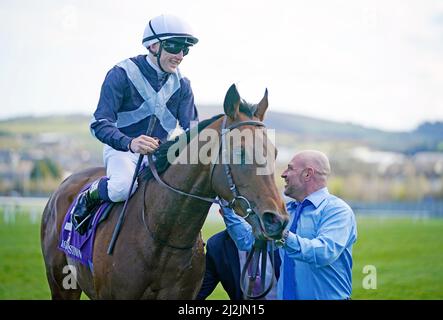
69 124
23 133
407 255
22 274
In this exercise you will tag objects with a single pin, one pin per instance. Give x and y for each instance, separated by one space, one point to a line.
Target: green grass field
407 254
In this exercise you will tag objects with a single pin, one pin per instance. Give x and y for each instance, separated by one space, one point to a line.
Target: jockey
134 91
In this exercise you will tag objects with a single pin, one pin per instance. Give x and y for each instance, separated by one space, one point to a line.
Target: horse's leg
62 282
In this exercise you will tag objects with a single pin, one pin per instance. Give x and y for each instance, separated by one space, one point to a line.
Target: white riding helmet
167 26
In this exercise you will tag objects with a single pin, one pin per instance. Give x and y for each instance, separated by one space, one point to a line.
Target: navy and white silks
133 91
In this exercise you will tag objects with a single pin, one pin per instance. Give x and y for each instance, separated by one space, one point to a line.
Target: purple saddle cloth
77 246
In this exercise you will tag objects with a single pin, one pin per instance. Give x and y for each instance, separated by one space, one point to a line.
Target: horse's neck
177 218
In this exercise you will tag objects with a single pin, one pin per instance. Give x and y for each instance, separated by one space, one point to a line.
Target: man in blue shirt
146 91
316 247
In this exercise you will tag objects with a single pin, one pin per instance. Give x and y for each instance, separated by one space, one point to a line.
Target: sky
374 63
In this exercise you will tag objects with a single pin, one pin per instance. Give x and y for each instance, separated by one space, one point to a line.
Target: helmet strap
158 55
152 52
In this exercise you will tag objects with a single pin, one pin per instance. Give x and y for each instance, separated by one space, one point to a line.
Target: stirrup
82 222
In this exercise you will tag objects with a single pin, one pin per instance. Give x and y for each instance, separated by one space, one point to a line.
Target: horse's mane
247 108
161 159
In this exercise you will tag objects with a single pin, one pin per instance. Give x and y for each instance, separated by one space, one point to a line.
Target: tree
45 169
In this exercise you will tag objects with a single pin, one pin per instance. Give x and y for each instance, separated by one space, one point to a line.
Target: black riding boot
87 202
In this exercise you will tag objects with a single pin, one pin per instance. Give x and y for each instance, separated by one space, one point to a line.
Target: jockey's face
169 62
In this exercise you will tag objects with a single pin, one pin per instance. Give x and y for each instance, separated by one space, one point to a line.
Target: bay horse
160 252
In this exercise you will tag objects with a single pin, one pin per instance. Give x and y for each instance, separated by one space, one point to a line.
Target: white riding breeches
120 167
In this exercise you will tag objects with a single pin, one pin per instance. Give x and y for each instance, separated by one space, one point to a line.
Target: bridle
227 169
254 255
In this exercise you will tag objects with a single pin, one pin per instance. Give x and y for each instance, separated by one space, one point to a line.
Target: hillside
427 137
36 153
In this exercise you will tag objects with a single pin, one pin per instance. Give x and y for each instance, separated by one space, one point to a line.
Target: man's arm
211 278
103 125
239 230
187 111
333 236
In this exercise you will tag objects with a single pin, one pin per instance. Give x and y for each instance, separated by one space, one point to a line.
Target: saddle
86 223
82 220
82 224
78 245
77 236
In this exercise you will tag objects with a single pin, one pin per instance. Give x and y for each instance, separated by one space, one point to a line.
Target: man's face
295 184
169 61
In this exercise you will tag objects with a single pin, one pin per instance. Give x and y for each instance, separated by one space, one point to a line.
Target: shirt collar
318 196
292 205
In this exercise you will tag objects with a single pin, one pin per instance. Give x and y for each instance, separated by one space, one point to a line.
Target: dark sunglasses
175 48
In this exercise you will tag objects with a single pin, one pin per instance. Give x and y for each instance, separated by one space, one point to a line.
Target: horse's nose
274 224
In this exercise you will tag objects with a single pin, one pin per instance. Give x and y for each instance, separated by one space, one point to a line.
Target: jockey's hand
144 144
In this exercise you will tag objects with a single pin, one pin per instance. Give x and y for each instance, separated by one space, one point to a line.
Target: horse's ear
262 106
232 102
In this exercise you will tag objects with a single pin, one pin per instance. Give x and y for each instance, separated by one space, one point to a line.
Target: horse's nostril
270 217
273 223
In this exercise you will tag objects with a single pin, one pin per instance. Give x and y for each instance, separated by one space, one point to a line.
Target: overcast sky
374 63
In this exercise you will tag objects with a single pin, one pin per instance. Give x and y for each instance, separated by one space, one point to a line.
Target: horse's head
248 163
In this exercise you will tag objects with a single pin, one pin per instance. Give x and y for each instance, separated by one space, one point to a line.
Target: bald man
316 247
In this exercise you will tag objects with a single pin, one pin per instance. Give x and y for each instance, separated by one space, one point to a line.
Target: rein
260 249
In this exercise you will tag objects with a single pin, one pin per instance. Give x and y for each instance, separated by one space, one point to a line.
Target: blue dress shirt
320 248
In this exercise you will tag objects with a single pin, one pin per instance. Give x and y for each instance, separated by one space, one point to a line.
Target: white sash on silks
154 102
